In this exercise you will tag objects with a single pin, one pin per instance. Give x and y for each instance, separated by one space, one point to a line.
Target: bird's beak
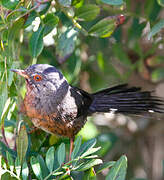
20 72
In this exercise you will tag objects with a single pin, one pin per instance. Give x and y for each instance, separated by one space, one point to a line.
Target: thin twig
3 136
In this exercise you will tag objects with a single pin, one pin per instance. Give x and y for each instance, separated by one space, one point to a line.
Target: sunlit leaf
77 3
156 28
118 170
36 42
36 167
25 171
91 151
61 153
161 2
22 143
89 164
113 2
89 174
87 12
104 28
50 158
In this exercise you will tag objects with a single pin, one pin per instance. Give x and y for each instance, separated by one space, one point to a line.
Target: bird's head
42 78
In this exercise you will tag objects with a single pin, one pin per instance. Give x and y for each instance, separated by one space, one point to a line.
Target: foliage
89 41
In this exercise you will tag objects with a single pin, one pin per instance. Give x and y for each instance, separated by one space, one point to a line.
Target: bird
57 107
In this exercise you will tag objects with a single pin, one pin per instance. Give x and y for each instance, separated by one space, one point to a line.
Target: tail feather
123 99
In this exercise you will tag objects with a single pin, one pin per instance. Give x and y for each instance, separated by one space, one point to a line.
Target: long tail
122 99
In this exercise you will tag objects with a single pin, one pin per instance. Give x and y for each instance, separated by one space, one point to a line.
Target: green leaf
87 12
100 61
65 3
77 145
50 158
22 143
10 4
17 167
105 165
3 98
86 146
61 154
89 174
36 167
15 65
36 42
43 8
50 22
66 43
10 161
156 28
118 171
104 28
15 29
8 176
43 166
77 3
121 54
91 151
161 2
89 164
113 2
25 171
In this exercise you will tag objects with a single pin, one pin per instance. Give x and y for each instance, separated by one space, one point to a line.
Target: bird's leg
71 147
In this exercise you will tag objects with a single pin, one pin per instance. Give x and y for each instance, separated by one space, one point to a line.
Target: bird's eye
37 77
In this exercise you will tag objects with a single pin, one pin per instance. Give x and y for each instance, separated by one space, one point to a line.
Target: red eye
37 77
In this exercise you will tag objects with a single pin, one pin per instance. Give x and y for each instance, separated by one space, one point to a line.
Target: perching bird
59 108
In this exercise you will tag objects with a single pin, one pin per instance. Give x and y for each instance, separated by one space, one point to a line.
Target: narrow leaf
15 29
36 167
156 28
36 42
50 158
113 2
17 166
105 165
77 145
86 146
118 171
43 166
91 151
10 161
104 28
87 12
61 153
89 164
22 143
25 171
